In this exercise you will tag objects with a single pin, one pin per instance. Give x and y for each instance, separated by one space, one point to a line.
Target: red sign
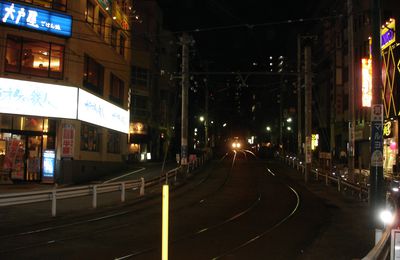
67 146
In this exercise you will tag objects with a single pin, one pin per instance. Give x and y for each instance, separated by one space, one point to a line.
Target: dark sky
234 33
231 36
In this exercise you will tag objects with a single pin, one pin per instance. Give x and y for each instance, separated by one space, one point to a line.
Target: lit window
33 57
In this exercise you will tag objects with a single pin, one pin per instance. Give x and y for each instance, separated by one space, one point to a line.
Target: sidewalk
349 234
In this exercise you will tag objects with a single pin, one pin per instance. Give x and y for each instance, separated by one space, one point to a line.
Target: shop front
23 140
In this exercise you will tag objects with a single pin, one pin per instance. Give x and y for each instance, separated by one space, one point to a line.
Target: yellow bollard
165 212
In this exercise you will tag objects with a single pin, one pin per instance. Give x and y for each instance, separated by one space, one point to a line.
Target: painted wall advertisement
67 145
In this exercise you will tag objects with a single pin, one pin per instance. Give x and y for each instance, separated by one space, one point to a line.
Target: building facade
154 62
65 73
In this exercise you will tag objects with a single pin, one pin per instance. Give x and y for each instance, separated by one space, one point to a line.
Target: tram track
102 230
87 222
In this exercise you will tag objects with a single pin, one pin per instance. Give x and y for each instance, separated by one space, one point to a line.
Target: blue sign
35 18
49 158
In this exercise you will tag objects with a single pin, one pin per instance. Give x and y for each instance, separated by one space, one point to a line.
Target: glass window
60 5
33 57
139 76
102 25
139 106
116 89
90 138
114 32
13 54
56 61
89 13
122 44
93 75
113 142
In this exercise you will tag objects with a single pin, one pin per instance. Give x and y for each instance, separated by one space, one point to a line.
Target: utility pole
299 103
206 113
308 109
377 195
351 148
185 40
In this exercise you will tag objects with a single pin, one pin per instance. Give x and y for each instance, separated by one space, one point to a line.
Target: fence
55 194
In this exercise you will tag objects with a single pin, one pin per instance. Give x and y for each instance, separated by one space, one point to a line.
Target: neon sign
366 82
28 17
388 35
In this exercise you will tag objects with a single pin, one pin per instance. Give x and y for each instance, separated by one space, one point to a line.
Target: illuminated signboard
120 17
49 158
314 141
37 99
388 35
25 16
366 82
97 111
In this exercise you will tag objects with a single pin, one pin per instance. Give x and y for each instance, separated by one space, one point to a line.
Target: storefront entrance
21 156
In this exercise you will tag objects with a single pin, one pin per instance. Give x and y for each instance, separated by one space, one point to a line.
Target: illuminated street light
268 128
224 125
289 120
201 118
289 128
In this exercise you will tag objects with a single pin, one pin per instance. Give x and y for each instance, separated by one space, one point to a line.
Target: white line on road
122 176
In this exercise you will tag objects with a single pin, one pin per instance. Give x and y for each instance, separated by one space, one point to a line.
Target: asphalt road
236 208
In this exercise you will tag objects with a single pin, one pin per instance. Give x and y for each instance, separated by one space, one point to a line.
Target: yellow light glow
366 73
165 211
314 141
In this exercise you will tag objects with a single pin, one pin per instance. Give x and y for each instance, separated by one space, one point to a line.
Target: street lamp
201 118
268 129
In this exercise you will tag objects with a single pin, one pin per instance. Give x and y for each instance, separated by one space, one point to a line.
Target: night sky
234 36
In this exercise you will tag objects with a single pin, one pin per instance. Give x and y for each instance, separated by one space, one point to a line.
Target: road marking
122 176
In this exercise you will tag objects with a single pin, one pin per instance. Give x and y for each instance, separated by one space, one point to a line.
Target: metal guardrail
12 199
382 248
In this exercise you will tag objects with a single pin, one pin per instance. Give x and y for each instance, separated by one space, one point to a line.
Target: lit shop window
60 5
90 138
113 142
32 57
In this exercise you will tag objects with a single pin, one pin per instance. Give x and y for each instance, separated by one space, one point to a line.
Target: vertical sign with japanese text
67 145
377 135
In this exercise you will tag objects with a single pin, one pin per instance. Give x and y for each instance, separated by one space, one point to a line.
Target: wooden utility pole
299 103
308 110
185 40
351 82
